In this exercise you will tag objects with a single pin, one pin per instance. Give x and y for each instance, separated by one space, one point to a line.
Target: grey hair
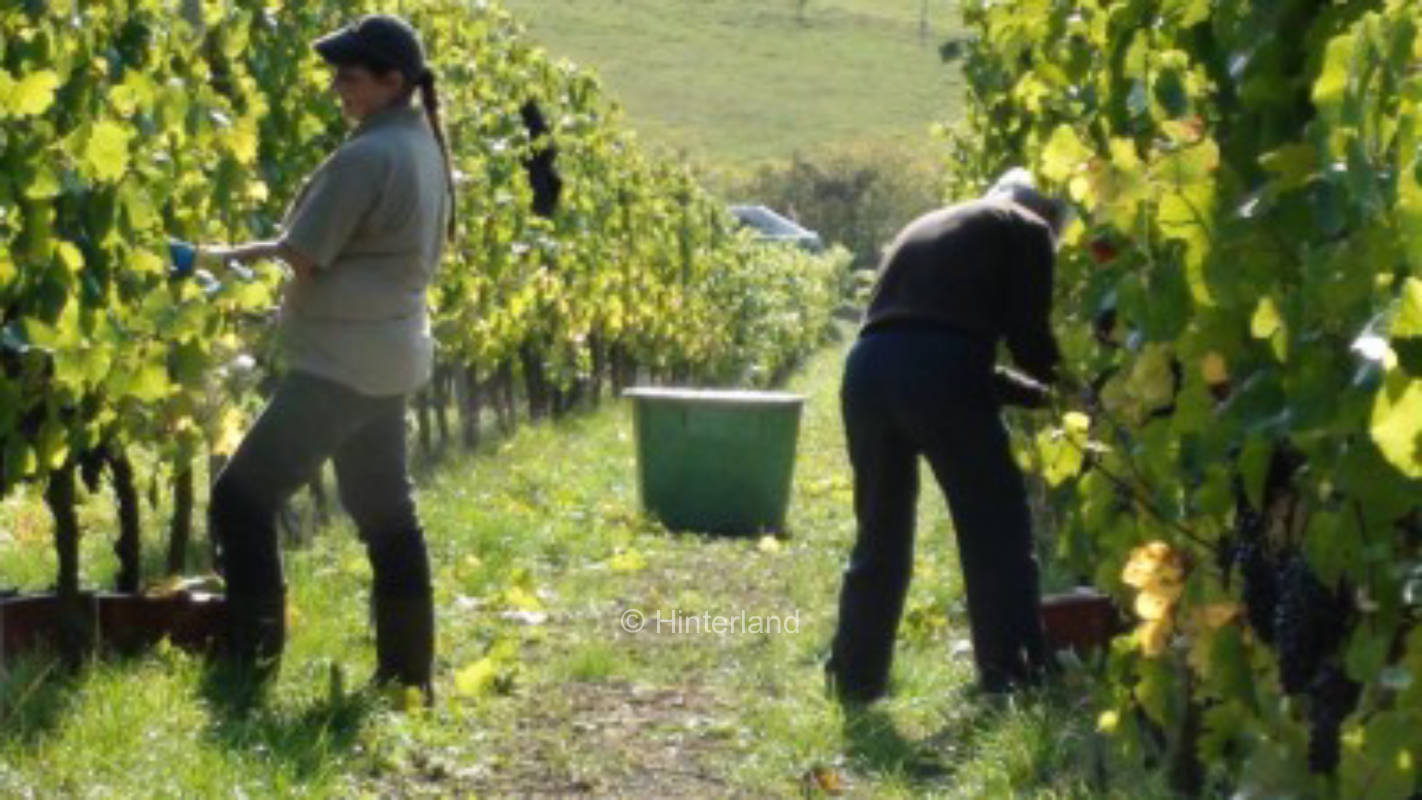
1017 185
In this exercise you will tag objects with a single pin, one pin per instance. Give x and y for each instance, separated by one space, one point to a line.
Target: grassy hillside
743 80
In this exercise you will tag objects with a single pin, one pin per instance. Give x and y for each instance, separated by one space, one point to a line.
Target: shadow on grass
876 745
307 739
36 693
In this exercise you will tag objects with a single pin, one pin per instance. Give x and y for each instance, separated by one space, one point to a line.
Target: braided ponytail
429 99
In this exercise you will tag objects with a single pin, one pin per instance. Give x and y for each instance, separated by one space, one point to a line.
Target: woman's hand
212 256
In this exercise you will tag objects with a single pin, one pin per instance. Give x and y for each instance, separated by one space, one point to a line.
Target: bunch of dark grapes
1332 697
1261 586
1308 623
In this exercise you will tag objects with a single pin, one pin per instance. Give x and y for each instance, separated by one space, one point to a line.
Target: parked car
771 227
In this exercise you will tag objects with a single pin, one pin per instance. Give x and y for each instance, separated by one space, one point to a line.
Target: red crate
1080 620
125 623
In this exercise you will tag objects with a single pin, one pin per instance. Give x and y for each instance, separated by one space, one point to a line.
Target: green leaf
70 256
1062 449
149 383
1407 327
1332 81
1334 548
1409 207
106 152
1367 653
1157 691
1408 322
1381 766
142 262
20 460
1292 164
42 184
1396 423
53 444
1267 323
33 94
1063 154
1253 469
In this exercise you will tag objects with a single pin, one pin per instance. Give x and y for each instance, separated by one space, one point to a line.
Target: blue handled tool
184 258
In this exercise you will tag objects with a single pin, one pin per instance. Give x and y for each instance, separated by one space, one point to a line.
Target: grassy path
539 551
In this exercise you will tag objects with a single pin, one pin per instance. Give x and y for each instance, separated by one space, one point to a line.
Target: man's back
983 267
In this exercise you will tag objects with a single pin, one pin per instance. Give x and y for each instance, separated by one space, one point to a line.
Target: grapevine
126 124
1245 277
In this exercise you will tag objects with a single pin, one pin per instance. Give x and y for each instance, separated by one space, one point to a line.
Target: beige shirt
372 217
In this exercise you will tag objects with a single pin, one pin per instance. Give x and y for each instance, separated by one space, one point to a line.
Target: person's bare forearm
258 251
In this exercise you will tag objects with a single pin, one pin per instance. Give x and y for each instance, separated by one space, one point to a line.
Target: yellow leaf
1108 721
1154 605
1076 423
1396 423
519 597
1217 615
1154 636
1266 320
824 779
628 561
1123 154
1153 563
230 427
768 544
1214 369
242 138
476 679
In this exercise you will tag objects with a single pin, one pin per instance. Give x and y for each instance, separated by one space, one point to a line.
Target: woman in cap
363 239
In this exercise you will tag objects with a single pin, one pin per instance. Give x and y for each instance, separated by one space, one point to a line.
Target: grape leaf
1396 423
106 152
33 94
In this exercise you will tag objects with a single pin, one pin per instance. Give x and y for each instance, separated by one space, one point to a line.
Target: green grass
539 549
736 81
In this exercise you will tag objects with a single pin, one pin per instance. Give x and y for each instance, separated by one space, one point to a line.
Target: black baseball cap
382 39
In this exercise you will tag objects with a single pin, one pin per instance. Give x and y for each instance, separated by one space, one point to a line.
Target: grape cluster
1309 622
1332 697
1261 586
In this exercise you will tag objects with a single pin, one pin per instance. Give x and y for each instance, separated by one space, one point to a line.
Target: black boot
404 640
254 637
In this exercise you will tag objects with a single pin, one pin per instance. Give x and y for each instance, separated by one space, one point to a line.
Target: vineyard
127 124
1241 302
1236 454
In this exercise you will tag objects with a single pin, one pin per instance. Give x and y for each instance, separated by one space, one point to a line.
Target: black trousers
912 391
308 420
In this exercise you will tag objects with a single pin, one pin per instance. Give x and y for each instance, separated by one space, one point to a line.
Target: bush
856 194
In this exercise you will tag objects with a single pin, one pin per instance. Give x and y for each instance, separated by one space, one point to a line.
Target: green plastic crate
714 460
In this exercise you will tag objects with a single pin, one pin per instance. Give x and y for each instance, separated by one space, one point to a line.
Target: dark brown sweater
983 267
